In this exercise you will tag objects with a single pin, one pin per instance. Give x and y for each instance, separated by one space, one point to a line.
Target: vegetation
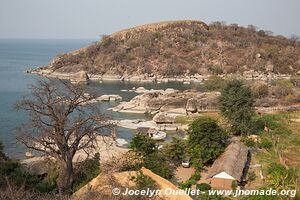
143 145
86 171
237 106
191 181
153 159
144 182
203 186
206 140
214 83
180 47
279 177
260 89
61 122
176 150
283 88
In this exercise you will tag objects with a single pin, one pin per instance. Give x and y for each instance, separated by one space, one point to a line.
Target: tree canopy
206 140
237 105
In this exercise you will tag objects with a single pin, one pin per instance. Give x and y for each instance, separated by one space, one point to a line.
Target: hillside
175 48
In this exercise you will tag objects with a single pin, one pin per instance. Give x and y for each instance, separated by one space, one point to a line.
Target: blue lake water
18 55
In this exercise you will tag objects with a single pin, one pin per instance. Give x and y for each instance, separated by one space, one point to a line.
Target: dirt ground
183 174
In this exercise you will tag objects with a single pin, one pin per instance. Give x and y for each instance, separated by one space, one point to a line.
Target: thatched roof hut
229 166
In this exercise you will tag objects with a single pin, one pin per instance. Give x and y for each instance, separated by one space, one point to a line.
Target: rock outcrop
176 102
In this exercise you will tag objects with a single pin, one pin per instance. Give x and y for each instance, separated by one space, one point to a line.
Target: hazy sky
90 18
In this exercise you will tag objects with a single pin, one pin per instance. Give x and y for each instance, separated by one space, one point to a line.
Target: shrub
143 145
176 149
214 83
248 142
157 163
216 69
143 182
260 89
203 186
186 184
206 140
196 176
296 80
88 169
265 144
283 88
279 177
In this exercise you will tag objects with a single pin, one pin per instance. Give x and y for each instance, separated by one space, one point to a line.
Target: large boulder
174 103
164 118
191 105
80 77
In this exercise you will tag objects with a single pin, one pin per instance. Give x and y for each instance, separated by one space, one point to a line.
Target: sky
84 19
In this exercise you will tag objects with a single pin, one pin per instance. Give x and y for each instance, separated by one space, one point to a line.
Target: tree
176 149
143 145
237 106
154 160
206 140
61 122
2 154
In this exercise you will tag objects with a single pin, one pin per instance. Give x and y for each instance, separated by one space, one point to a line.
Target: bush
216 69
143 182
296 80
214 83
186 184
87 170
248 142
158 164
176 150
260 89
17 175
283 88
279 177
48 184
265 144
143 145
203 186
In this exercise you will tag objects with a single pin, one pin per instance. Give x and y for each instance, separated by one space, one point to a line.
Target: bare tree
61 122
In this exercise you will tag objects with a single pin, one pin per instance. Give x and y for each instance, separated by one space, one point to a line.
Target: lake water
16 56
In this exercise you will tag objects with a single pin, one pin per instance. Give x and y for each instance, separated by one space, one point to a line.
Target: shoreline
188 79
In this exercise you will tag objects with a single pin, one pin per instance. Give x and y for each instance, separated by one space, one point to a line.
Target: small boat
156 135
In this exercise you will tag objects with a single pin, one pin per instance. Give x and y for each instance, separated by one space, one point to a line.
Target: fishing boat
152 132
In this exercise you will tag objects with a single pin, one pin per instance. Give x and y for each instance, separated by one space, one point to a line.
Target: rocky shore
83 77
170 101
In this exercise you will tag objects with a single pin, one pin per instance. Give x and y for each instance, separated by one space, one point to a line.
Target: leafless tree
61 122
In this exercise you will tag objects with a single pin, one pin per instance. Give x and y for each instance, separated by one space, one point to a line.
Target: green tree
143 145
237 106
206 140
176 149
158 164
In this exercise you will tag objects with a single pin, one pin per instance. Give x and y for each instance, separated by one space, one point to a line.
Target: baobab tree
61 122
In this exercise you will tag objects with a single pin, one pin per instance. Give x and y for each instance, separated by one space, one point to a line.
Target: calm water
18 55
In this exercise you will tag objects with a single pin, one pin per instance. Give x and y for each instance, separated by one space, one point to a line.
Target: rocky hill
175 48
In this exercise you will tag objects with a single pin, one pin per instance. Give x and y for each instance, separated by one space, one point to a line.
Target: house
229 167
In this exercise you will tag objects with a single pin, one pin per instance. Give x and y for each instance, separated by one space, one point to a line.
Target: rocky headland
186 51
